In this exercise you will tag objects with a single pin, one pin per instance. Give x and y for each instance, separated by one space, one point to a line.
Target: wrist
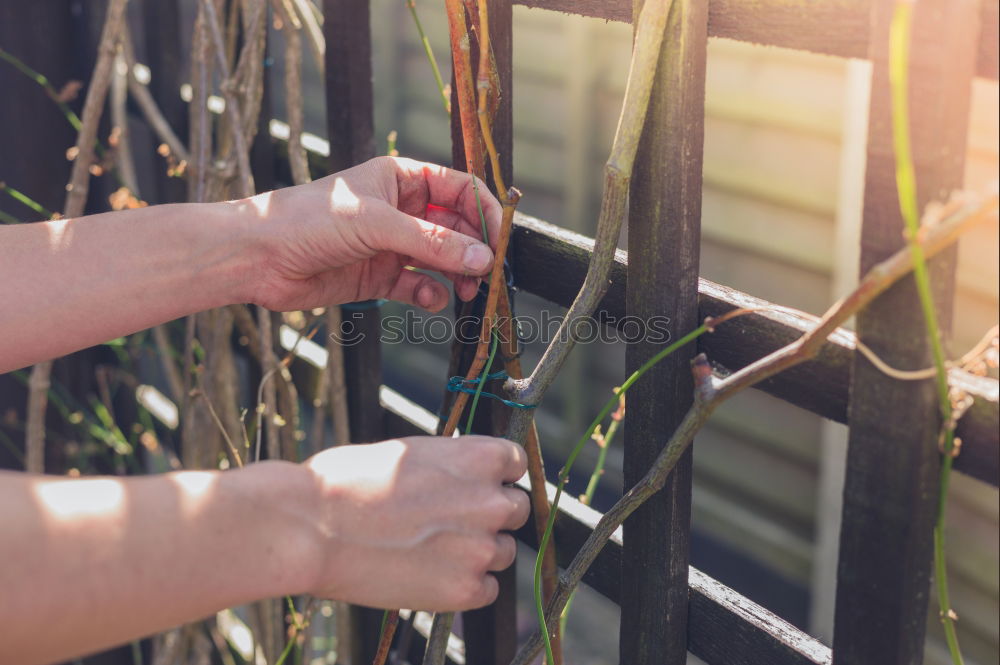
283 513
240 239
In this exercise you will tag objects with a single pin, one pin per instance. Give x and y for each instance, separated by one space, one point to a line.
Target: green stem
293 640
8 219
71 117
26 200
595 477
411 4
287 650
482 380
41 80
588 497
899 57
564 473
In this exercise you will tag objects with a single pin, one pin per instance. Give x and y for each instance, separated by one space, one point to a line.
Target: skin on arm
355 523
354 235
407 523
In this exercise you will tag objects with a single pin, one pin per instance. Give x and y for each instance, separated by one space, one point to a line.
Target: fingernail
478 258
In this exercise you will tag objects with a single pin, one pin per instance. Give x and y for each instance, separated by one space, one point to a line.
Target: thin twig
291 29
166 352
200 392
312 23
462 71
246 186
200 133
120 142
150 109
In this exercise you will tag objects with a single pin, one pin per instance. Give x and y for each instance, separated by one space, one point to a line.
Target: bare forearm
106 560
69 284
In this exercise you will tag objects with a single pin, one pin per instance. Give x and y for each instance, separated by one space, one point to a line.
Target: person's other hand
355 235
417 522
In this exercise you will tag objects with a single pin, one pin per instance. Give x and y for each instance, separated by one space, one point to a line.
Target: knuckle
508 547
498 452
498 512
484 551
489 590
466 591
522 508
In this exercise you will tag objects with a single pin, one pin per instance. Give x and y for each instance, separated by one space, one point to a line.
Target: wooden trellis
669 608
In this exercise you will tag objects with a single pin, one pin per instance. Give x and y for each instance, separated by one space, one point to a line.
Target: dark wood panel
162 51
664 241
550 262
832 27
893 464
350 127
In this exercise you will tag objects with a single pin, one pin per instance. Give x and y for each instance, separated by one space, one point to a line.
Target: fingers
520 508
486 593
421 184
430 245
414 288
505 553
515 462
465 287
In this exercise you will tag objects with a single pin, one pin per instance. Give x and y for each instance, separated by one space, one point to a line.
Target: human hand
353 235
415 522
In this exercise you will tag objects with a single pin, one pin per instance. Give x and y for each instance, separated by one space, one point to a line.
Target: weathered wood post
891 488
664 230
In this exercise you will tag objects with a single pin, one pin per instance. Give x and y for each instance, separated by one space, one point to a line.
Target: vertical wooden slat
161 45
893 462
663 243
491 632
350 127
349 100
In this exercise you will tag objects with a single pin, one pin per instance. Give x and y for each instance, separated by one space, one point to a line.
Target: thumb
432 246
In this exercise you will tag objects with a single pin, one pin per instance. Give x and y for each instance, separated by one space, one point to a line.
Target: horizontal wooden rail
831 27
724 627
550 262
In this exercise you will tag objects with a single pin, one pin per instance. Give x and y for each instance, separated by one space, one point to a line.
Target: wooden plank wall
773 141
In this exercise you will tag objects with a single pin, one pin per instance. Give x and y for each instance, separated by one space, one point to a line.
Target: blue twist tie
459 384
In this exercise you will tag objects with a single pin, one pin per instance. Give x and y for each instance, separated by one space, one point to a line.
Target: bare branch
150 109
246 186
617 175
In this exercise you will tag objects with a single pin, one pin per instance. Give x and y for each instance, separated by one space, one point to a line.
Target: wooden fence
669 608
